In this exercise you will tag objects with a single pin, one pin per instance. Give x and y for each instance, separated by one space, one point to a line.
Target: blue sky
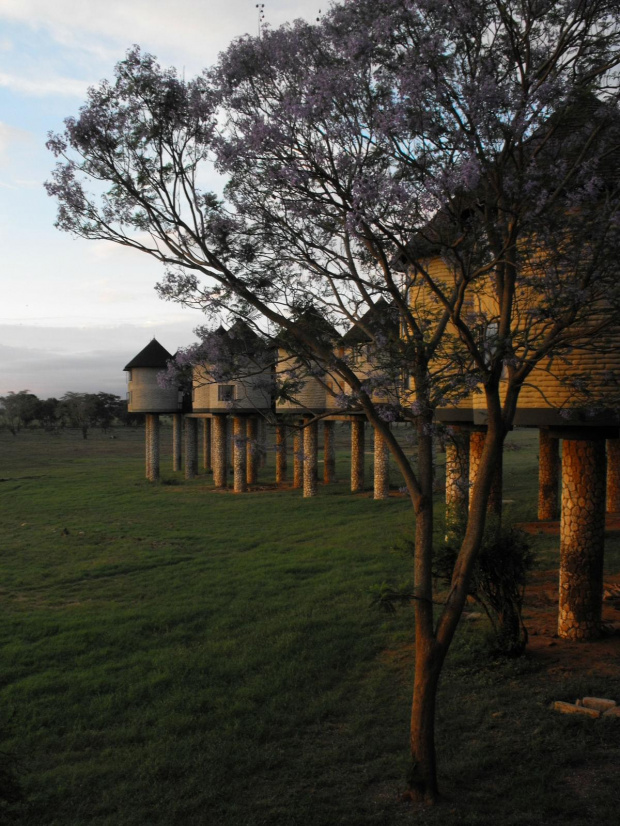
74 312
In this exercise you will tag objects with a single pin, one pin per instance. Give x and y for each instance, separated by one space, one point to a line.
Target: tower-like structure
146 396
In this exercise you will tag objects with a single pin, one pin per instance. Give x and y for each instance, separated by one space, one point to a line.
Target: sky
74 312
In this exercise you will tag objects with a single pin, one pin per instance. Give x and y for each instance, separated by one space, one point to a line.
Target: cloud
44 86
190 32
50 361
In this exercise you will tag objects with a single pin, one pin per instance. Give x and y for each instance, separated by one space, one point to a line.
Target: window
225 392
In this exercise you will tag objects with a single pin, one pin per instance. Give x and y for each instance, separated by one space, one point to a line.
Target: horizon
65 298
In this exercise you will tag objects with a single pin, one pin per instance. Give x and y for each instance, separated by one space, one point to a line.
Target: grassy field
175 655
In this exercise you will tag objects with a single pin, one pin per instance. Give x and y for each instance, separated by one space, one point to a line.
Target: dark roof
379 318
311 320
153 355
565 135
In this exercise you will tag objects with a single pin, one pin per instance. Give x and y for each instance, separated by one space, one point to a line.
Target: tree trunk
422 778
423 773
206 445
329 453
191 448
280 454
177 441
252 448
298 459
357 455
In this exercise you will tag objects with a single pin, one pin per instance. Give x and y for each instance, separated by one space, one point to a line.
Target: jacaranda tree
483 130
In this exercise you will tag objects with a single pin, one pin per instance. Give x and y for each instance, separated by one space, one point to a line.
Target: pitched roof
153 355
379 318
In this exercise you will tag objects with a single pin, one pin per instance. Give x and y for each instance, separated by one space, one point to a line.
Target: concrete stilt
310 458
457 480
357 455
253 450
147 446
240 451
220 465
582 538
280 454
152 449
177 441
329 453
262 442
298 460
548 476
206 445
382 467
613 475
191 448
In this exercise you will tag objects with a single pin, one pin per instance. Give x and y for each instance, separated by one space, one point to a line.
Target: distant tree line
23 409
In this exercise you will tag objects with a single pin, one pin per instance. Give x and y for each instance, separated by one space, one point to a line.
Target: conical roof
153 355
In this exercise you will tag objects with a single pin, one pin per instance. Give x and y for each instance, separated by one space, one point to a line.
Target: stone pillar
220 465
262 442
191 448
582 538
147 446
476 446
252 450
382 467
310 458
548 476
357 455
298 460
206 445
613 475
280 454
329 453
240 451
152 447
457 480
177 441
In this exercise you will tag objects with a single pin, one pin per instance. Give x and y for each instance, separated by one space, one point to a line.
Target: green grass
175 655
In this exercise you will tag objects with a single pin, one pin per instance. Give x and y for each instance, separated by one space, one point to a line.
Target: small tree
80 410
19 409
359 151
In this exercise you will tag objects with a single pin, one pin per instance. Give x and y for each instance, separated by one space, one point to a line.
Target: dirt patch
560 656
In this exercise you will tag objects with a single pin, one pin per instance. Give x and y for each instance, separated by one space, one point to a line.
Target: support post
457 481
240 469
548 476
298 460
220 465
357 454
191 448
152 447
252 448
382 467
310 458
262 442
613 475
147 446
329 453
206 445
582 539
177 441
280 454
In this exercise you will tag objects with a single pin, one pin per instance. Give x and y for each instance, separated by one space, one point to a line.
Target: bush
497 583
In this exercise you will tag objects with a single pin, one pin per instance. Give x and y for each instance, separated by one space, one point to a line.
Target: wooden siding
249 394
146 396
548 389
312 395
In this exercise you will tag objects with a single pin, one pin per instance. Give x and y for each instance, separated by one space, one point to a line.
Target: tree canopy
480 134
